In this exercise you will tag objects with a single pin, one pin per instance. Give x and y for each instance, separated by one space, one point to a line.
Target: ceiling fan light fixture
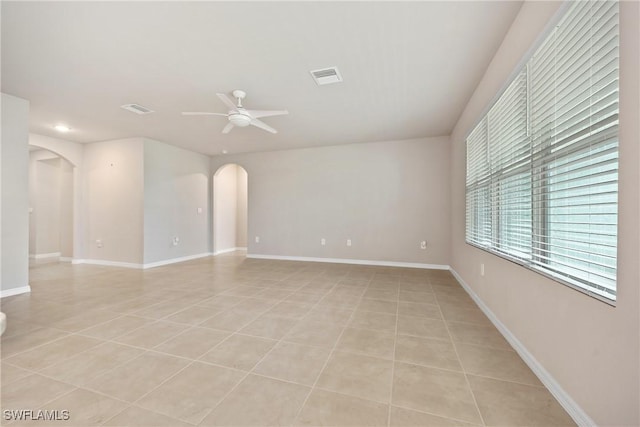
239 120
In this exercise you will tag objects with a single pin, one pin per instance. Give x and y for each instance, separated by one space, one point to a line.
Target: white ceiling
409 68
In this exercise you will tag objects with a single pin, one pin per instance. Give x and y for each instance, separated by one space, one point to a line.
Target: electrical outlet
348 242
423 244
323 241
199 211
257 239
175 241
99 243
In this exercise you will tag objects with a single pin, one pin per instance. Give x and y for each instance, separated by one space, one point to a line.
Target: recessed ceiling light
62 128
224 151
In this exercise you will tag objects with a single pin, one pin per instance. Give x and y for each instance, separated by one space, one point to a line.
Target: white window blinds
542 164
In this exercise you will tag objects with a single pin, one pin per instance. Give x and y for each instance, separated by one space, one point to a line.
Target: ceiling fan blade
266 113
263 125
227 101
202 113
227 128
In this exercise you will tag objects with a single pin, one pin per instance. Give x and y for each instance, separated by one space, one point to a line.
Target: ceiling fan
240 116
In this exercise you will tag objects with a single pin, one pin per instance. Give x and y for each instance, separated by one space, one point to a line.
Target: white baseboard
352 261
15 291
139 266
45 256
174 260
226 251
573 409
65 259
106 263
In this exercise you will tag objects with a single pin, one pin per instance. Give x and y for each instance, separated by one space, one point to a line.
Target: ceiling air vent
327 76
135 108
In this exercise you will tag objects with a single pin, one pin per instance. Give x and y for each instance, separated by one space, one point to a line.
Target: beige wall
384 196
225 208
176 184
589 347
14 192
241 207
72 153
113 200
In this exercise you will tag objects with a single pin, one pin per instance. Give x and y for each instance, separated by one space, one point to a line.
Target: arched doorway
230 209
51 207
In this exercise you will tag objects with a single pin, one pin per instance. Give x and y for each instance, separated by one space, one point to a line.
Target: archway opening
230 209
51 206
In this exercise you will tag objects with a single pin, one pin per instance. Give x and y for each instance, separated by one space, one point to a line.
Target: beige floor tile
376 321
418 309
369 342
293 362
324 408
193 315
239 352
19 343
438 392
85 320
379 306
269 326
137 377
15 327
357 375
505 403
116 327
192 393
463 313
275 294
401 417
83 367
10 373
273 403
192 343
328 314
291 310
162 310
381 294
495 363
138 417
468 333
152 334
53 352
314 333
85 407
221 301
340 301
422 327
230 320
32 392
304 297
427 351
243 291
420 297
256 305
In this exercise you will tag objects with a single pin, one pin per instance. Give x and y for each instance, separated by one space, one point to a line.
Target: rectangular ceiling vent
327 76
135 108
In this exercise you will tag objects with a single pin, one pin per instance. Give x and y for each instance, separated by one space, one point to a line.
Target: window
542 164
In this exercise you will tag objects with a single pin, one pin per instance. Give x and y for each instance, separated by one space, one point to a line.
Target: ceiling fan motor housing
239 119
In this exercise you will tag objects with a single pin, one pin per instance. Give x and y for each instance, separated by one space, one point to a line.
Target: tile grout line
333 349
464 371
259 361
393 363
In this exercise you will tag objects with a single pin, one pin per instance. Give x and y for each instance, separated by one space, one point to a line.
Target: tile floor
233 341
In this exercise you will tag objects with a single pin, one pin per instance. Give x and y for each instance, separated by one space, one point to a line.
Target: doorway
51 202
230 209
